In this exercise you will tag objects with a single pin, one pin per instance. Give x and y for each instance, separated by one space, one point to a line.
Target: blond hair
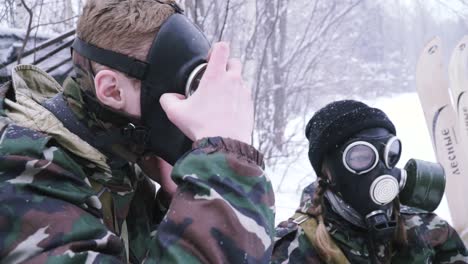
322 239
123 26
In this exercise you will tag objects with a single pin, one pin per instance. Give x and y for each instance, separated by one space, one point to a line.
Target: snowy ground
406 113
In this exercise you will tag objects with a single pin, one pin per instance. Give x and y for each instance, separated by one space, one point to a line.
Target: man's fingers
234 66
170 103
218 59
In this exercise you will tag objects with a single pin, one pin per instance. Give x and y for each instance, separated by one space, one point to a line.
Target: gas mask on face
365 181
175 64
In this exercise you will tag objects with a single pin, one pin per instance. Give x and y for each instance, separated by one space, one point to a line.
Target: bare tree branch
453 10
37 28
226 15
263 61
28 30
55 22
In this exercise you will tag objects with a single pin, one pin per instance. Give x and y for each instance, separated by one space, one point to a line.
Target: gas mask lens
194 79
360 157
392 152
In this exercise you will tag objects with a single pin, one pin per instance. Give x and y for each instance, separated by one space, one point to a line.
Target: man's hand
222 105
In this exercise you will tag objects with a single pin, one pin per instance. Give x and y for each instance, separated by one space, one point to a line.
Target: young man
70 191
354 212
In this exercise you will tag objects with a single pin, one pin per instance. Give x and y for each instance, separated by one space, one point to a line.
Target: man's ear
109 89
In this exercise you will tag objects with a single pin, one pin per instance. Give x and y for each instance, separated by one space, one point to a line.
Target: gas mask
365 181
175 64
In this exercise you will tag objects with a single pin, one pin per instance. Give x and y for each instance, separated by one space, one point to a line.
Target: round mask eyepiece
392 152
360 157
194 79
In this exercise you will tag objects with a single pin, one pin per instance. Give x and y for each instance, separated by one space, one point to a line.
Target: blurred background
298 56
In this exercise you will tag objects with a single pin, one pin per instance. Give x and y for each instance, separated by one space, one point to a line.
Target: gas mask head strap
132 67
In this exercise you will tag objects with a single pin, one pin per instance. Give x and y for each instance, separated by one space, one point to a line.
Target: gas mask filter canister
423 185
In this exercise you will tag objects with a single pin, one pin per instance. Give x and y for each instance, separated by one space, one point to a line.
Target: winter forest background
298 55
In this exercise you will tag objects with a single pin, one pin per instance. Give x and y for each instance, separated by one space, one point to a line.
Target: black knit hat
334 124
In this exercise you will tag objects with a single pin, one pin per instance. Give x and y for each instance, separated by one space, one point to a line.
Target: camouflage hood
32 87
105 125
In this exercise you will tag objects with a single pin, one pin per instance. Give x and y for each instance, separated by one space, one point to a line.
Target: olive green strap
309 225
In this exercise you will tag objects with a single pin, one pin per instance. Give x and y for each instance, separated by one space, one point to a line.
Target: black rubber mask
364 176
377 185
174 64
177 51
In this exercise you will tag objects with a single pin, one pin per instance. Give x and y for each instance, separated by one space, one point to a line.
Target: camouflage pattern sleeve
223 209
48 211
445 241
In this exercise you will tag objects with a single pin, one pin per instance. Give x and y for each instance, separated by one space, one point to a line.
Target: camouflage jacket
61 201
430 239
